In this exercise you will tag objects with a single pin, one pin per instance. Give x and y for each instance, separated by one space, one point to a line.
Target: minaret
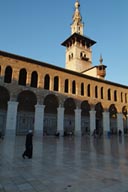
78 46
101 69
77 25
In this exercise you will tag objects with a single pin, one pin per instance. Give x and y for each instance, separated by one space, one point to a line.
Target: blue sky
36 29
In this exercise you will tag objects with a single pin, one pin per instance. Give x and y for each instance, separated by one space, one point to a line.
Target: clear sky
36 29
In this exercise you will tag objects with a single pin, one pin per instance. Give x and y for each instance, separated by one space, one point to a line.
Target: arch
50 114
4 98
73 87
34 79
66 86
51 104
69 116
99 118
56 83
85 118
22 77
47 82
26 110
27 101
125 112
0 70
113 119
8 75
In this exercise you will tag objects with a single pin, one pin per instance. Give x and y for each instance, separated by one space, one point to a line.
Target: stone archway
26 110
113 119
99 118
69 116
85 118
125 119
4 98
50 115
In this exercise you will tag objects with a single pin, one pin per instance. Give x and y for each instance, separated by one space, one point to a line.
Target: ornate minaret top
77 25
78 46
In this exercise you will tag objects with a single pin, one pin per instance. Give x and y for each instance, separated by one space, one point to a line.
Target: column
60 120
106 122
78 122
92 120
39 118
11 117
120 122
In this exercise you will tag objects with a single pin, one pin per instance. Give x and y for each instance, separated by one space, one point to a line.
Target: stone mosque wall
64 100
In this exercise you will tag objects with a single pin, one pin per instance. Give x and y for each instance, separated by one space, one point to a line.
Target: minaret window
83 56
70 56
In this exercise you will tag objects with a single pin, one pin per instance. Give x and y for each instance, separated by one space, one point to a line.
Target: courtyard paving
72 164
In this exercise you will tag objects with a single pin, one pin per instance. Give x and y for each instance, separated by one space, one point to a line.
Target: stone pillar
78 122
51 85
11 117
60 120
106 122
28 79
120 122
39 118
92 121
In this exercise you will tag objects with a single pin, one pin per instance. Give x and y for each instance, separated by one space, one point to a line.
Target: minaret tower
78 46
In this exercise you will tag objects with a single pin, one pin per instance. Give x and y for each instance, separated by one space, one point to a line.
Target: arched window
109 94
82 89
88 90
115 95
34 79
121 97
22 77
56 83
126 96
73 87
96 92
102 93
66 86
46 82
8 75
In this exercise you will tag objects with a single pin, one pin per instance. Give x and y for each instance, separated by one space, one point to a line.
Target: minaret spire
77 25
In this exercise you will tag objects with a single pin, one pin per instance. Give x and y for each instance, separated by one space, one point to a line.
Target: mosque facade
49 99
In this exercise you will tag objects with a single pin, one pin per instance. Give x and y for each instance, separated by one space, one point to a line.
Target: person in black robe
28 145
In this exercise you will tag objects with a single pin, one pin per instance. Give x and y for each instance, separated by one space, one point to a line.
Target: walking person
28 145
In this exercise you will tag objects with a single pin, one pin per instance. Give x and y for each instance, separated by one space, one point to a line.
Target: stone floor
64 165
